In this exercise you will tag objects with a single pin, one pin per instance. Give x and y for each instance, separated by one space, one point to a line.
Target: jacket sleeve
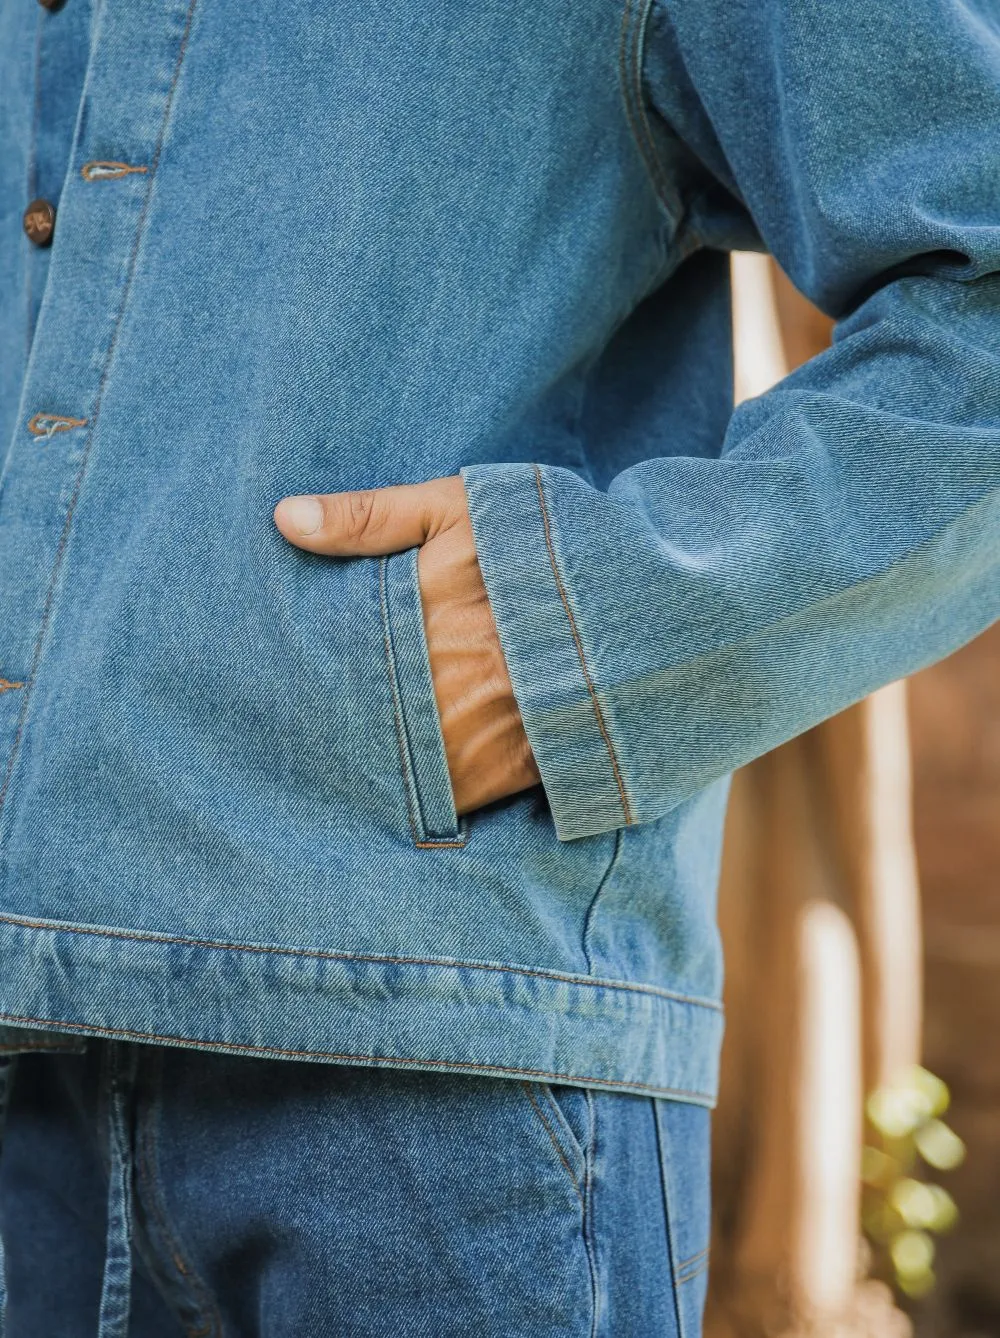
701 611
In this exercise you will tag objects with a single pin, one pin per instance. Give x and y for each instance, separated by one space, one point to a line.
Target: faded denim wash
309 247
311 1200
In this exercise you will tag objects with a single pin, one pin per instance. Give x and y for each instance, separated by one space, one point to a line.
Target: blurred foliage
901 1213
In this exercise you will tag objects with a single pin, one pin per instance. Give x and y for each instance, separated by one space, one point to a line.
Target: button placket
39 224
89 277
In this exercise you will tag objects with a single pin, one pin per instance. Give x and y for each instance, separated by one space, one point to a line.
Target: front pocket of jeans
430 799
562 1139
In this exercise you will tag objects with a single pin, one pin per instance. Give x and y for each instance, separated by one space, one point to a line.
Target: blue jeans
159 1192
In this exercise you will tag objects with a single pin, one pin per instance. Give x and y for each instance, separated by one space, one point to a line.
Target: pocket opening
564 1140
430 799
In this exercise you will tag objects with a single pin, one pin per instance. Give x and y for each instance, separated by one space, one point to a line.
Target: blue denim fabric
313 1200
310 248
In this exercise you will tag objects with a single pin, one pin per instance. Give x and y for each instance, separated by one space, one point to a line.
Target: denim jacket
307 248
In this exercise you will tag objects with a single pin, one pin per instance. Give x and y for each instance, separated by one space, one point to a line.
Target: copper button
40 221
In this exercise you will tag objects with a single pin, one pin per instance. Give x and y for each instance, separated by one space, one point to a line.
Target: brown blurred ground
955 716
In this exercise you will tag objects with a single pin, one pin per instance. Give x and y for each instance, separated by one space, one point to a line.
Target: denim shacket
308 248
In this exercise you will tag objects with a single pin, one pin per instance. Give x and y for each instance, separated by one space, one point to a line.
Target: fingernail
304 513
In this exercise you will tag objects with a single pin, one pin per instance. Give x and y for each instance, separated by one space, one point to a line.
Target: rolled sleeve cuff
548 662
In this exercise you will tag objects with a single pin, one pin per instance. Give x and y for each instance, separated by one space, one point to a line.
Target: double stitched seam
390 1061
81 471
599 714
668 1215
693 1267
209 1319
629 68
559 1119
400 739
32 164
405 764
555 1142
374 959
695 1273
589 1243
695 1258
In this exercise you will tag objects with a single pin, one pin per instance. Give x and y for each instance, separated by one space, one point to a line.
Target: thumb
371 521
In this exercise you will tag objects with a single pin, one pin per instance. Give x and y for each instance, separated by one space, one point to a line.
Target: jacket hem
431 1014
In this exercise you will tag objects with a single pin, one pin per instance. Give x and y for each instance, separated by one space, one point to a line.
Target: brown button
50 4
40 222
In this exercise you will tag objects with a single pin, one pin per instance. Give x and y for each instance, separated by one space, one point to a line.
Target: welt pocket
430 799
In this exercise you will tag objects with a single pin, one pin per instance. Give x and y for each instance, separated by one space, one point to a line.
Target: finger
368 522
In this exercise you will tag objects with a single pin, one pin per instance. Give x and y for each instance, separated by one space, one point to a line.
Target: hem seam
388 1061
373 959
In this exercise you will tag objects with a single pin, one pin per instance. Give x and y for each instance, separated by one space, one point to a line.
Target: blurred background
857 1140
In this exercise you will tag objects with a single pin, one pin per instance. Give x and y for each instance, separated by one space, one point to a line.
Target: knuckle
364 514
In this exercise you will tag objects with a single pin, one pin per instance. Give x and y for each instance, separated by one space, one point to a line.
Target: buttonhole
46 424
101 171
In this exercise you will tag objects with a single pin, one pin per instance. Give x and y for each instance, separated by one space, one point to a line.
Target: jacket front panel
294 254
301 252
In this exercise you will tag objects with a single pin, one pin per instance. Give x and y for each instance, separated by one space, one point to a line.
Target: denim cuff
547 656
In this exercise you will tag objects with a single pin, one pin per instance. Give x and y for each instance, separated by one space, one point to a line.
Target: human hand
488 752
